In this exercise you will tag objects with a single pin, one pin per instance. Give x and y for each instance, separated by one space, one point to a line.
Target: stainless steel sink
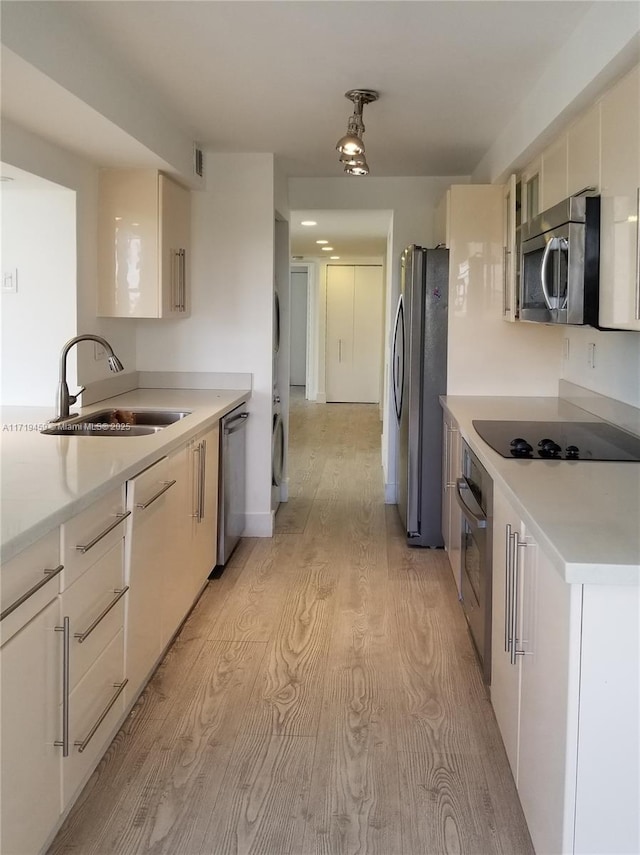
117 422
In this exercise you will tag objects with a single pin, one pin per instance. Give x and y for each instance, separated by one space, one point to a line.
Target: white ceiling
350 233
271 75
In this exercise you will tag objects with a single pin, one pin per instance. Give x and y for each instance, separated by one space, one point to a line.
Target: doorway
299 324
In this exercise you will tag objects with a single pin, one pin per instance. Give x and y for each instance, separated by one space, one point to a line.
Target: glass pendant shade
350 144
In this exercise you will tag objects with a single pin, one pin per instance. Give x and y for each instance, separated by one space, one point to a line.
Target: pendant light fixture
351 146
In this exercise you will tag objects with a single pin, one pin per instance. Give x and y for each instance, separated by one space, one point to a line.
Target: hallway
323 697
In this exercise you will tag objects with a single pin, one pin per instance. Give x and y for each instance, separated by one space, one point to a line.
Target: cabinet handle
82 744
203 475
64 742
507 590
339 350
638 254
167 486
517 544
49 574
85 547
183 280
198 491
82 636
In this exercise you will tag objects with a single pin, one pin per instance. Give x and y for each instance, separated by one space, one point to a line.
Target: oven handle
543 273
477 519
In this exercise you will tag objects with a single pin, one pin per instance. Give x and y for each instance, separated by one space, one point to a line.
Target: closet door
354 333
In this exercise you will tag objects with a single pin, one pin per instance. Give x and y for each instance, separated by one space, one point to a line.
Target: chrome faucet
64 400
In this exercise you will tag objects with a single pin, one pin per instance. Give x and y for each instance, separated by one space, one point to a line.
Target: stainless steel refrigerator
419 377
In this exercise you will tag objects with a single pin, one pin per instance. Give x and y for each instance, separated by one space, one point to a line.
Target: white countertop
585 515
47 479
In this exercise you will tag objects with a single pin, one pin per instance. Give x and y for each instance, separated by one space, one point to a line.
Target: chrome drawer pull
85 547
82 745
49 574
82 636
144 505
64 742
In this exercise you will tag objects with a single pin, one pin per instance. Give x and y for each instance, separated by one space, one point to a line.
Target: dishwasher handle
236 424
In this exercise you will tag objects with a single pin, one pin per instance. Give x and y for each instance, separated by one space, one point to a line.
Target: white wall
605 43
411 203
616 369
232 302
39 252
299 285
39 157
54 41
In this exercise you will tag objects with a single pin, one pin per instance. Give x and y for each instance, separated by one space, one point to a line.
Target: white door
354 333
298 366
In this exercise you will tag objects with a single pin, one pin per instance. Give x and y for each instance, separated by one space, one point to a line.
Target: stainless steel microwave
559 263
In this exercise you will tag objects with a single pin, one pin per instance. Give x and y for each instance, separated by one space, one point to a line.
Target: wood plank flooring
323 698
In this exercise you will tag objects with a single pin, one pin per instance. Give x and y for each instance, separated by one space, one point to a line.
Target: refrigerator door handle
398 376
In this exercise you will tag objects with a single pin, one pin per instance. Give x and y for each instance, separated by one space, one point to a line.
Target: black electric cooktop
559 440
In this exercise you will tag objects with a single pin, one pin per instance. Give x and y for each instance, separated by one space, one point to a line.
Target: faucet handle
74 398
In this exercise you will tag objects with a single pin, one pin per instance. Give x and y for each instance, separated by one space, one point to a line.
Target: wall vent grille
198 161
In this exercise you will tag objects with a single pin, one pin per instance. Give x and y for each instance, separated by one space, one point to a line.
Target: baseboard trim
391 494
259 525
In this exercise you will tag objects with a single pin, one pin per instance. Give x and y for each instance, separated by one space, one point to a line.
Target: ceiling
270 76
350 233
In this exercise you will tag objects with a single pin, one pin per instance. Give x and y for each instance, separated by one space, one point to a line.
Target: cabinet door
451 515
620 201
549 644
554 173
175 254
354 333
584 152
177 586
505 673
510 261
31 665
207 449
146 555
128 243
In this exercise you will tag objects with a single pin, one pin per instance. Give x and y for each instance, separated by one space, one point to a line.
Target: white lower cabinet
147 541
31 663
204 497
565 694
451 515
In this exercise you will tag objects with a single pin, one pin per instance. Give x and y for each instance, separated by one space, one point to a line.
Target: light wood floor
323 697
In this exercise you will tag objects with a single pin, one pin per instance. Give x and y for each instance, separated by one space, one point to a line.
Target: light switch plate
10 282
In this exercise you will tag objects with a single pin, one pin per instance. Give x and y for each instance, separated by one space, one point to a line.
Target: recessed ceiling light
308 223
327 249
322 241
334 257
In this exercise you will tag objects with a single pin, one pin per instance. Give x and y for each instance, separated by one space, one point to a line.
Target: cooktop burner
560 440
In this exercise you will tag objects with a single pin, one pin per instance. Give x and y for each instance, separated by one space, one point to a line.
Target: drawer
26 573
95 605
144 489
94 716
91 534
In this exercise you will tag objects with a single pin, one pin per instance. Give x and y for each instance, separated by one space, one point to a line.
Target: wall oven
559 263
474 494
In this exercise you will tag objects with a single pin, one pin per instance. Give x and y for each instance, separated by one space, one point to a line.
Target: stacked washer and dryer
277 432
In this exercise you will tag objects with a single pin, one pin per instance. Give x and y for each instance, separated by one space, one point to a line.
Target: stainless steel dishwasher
231 497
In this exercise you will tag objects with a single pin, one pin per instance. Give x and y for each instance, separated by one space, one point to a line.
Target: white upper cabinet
584 153
143 245
530 181
620 177
510 262
554 173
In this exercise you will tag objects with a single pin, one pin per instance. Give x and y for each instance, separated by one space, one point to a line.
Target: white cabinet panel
451 514
620 220
354 333
143 245
31 664
554 173
584 152
146 553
